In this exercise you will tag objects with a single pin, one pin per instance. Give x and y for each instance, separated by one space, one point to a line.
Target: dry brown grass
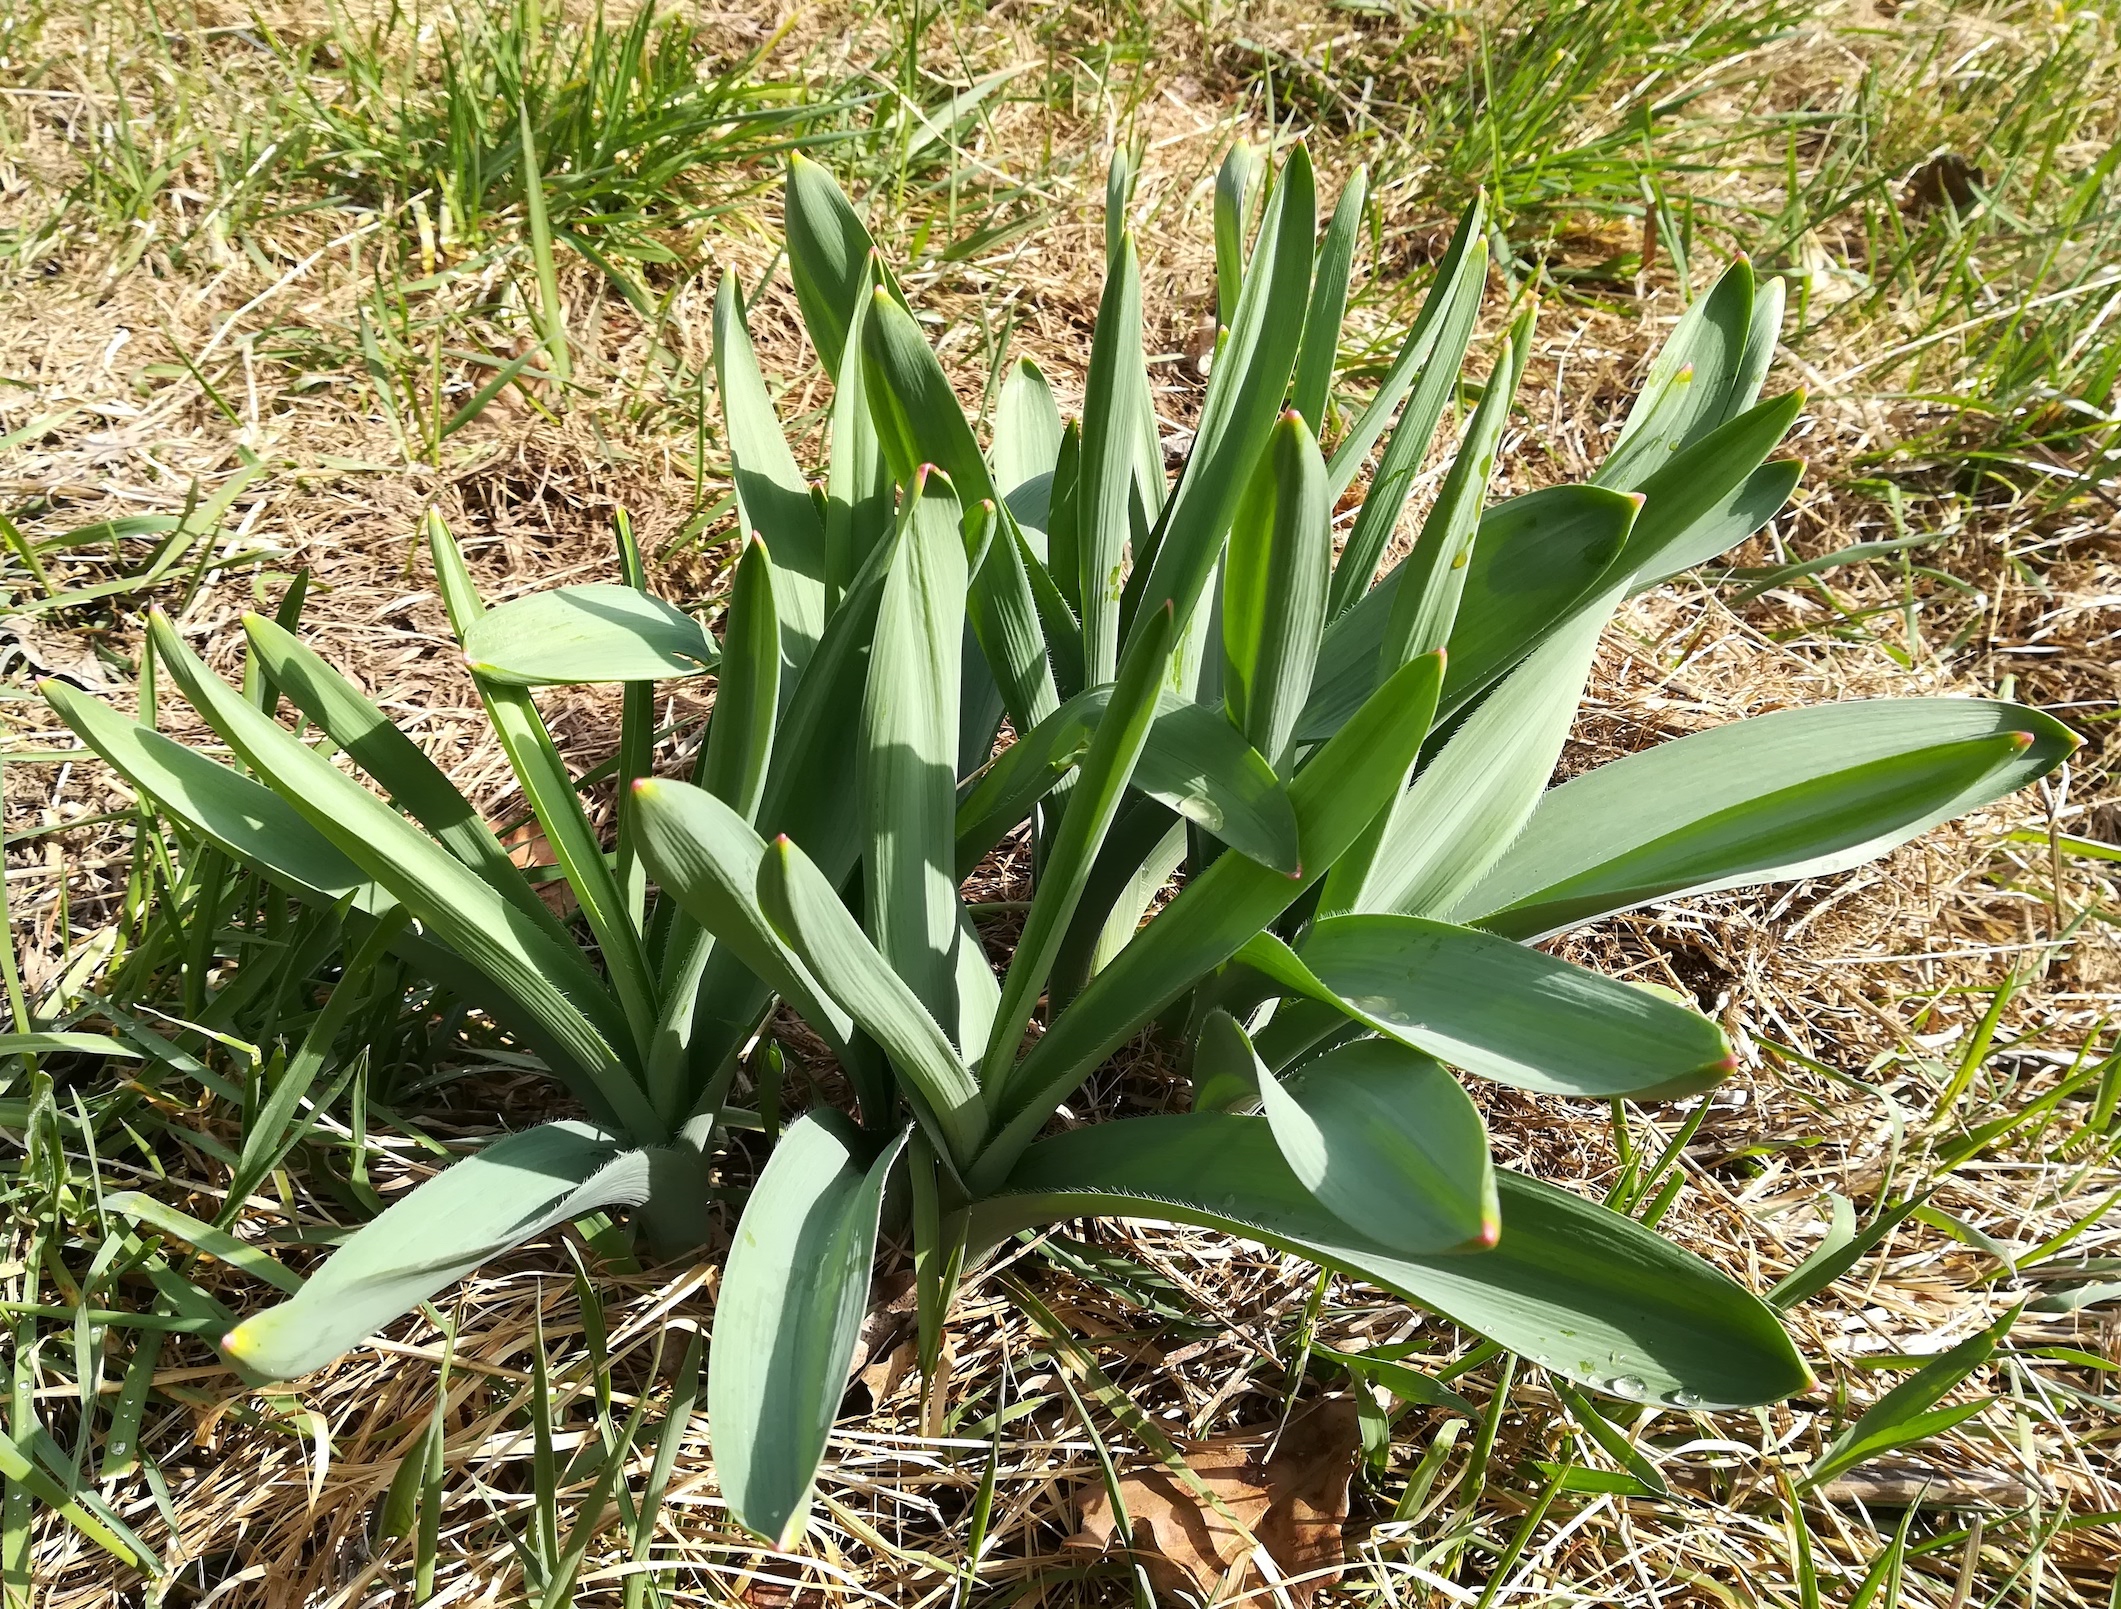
1846 995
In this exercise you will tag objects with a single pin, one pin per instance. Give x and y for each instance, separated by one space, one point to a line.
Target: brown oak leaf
1289 1492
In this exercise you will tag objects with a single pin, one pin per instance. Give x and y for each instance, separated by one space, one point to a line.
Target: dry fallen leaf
1290 1493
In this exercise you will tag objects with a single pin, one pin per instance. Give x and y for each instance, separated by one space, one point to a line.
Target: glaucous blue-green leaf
515 1189
598 632
787 1317
1389 1143
1795 793
1570 1285
1535 560
1508 1012
1195 762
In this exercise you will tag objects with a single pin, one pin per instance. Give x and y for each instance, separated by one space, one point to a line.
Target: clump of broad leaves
1348 771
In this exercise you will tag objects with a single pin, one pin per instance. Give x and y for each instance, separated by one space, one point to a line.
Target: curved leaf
1796 793
1510 1013
1572 1286
514 1190
600 632
1390 1144
787 1318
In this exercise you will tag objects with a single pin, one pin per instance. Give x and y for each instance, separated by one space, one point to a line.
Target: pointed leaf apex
1490 1234
2021 741
1637 498
643 787
757 541
239 1346
878 295
1686 373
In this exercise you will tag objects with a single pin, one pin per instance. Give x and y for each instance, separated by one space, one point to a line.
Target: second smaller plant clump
1349 771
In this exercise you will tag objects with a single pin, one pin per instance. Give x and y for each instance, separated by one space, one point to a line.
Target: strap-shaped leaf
831 258
739 747
1233 195
1536 559
909 748
549 787
1708 491
598 632
707 858
1390 1144
1026 446
517 1188
1504 1011
1226 1071
857 479
1100 785
1245 391
1275 574
919 422
1744 509
1195 762
1434 388
1469 801
551 981
415 783
1696 375
1571 1285
787 1317
1796 793
772 497
242 818
1461 273
1336 793
1105 504
1319 354
806 911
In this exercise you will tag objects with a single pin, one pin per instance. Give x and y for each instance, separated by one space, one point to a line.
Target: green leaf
1226 1071
787 1317
1319 354
830 257
1610 1436
553 984
1434 389
1461 275
519 1187
1470 800
739 748
909 748
806 911
1195 762
1233 194
550 788
1795 793
1693 381
600 632
415 783
46 1044
1501 1010
1909 1413
707 858
772 497
1344 784
1026 446
240 1255
1707 498
1245 391
1536 560
919 422
1573 1286
1101 783
1275 574
1404 1381
858 501
1106 509
1389 1144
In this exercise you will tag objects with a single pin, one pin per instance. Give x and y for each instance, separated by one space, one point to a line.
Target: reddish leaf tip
2021 741
1490 1233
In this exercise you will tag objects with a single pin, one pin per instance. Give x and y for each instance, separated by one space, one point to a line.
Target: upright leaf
1274 590
1320 351
909 748
772 497
1105 506
787 1317
739 748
